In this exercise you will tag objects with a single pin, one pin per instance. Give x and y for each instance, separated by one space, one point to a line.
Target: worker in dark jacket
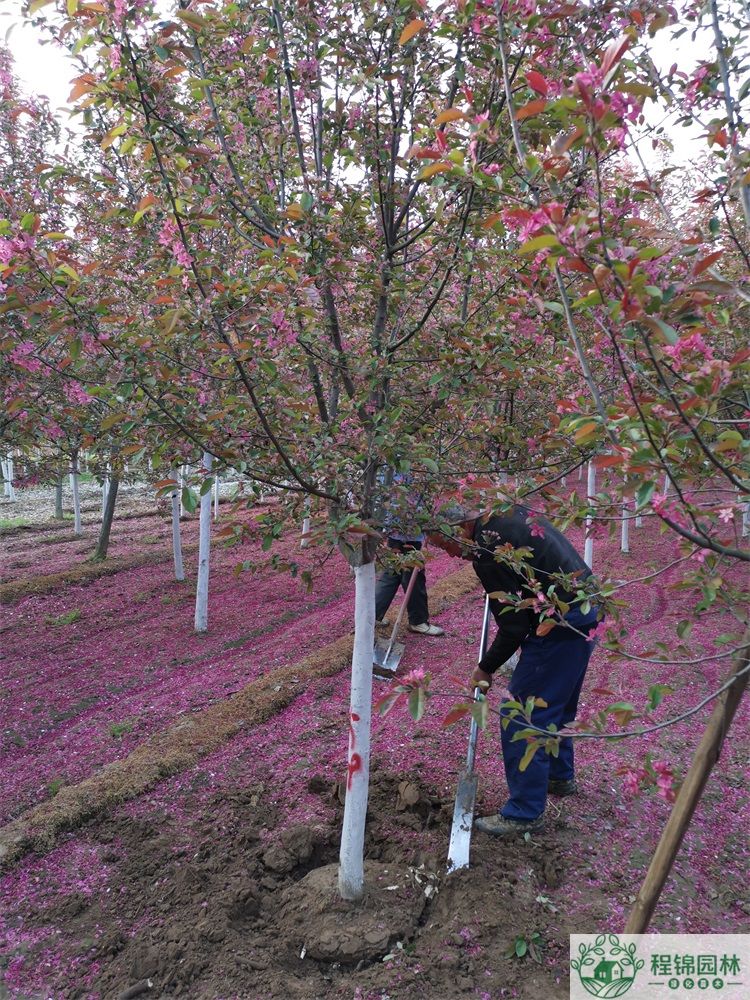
521 555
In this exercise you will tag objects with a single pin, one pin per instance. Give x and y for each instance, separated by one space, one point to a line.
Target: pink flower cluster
23 356
657 775
685 345
527 224
170 237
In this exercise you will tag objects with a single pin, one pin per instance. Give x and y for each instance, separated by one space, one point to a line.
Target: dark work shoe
499 826
562 788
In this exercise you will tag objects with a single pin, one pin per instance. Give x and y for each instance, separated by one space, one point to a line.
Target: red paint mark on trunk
355 764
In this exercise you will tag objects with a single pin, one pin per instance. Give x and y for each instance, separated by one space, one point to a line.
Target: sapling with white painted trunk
351 854
625 527
10 490
102 545
204 552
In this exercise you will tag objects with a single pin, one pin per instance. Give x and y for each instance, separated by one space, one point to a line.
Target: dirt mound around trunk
329 929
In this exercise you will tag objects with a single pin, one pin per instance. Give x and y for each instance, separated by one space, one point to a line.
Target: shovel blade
383 667
463 820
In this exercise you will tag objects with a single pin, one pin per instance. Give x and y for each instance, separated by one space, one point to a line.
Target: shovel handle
407 595
474 733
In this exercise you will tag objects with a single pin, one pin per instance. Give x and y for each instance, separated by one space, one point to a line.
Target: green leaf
206 486
670 334
417 703
643 494
527 758
650 253
592 299
656 694
480 711
554 307
539 243
189 500
194 20
684 628
521 945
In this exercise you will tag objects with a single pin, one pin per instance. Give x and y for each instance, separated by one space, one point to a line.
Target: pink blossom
415 677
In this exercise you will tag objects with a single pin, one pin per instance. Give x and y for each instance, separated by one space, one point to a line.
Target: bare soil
235 915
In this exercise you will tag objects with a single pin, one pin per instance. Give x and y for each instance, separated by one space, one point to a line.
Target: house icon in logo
608 972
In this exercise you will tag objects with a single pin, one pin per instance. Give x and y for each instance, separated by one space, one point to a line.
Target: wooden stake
690 794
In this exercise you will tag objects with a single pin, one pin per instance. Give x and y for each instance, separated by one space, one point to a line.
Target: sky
46 70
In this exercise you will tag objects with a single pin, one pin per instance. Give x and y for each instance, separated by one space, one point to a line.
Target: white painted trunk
638 521
11 474
105 491
625 528
305 529
184 473
76 503
204 552
351 855
588 548
179 571
666 484
746 521
216 497
580 473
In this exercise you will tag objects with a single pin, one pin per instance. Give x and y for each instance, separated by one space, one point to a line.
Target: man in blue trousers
521 555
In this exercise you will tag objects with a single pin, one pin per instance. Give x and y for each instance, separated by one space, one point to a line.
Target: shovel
387 656
463 812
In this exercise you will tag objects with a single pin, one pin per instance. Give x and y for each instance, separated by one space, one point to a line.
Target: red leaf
530 109
606 461
455 714
615 51
537 82
702 265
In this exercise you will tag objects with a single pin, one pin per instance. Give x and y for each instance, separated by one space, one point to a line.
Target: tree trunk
689 795
204 551
102 545
59 514
179 572
216 497
10 488
351 856
305 530
625 527
76 496
588 547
